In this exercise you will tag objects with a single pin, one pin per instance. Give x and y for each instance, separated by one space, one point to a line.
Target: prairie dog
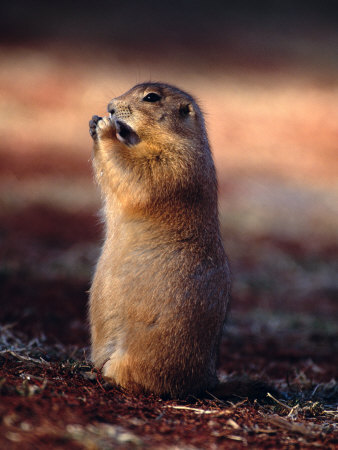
159 294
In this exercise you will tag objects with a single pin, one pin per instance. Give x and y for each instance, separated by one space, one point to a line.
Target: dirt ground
274 138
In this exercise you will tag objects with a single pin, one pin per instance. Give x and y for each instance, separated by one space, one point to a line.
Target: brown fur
159 295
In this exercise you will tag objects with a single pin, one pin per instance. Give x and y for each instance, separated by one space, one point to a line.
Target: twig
236 438
197 410
294 426
233 424
25 358
214 397
99 382
236 405
279 402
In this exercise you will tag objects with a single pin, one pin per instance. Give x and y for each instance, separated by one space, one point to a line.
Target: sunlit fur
159 295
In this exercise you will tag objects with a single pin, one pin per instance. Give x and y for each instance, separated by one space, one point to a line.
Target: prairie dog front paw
100 127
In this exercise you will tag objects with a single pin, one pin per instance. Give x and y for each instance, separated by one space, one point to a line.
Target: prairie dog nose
119 109
111 109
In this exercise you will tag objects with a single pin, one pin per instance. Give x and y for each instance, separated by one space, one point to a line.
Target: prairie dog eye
152 97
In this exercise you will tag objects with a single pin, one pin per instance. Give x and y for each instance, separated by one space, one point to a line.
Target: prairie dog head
154 118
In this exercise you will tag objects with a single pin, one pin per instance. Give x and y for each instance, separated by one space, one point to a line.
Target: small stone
25 426
14 437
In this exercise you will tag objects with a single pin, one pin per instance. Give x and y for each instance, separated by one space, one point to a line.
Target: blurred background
266 75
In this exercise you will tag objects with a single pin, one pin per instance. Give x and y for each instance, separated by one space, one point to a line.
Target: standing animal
159 296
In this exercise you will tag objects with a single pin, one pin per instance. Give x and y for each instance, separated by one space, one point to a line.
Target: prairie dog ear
186 109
